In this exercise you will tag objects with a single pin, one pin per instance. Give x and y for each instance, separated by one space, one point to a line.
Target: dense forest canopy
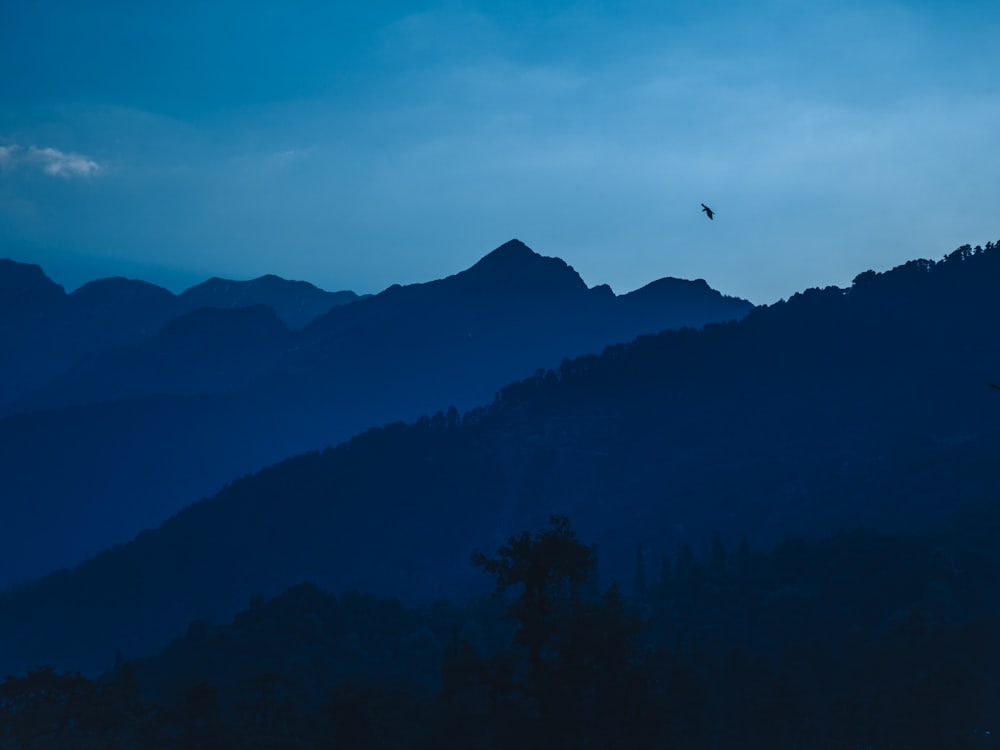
856 640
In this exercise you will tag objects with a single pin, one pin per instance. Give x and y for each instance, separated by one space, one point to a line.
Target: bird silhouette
707 210
993 385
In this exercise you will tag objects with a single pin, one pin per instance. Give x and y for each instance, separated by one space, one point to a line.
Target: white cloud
51 161
63 164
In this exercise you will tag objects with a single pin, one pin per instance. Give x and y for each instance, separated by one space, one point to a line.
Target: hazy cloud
49 160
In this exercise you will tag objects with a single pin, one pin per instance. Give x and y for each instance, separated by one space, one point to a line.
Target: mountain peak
515 266
511 253
511 249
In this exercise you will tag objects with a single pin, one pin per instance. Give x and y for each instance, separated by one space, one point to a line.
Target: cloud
49 160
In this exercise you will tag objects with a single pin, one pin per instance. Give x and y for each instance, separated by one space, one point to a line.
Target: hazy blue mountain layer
838 408
129 435
44 331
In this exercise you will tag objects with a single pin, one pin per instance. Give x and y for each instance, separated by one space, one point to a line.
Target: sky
357 147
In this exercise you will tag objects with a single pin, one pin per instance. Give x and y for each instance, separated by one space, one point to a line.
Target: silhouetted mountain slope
208 350
101 302
676 298
510 313
30 305
295 302
834 409
24 288
44 331
267 393
344 506
514 267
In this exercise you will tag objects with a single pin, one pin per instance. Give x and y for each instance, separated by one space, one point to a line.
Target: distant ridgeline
44 331
141 413
839 408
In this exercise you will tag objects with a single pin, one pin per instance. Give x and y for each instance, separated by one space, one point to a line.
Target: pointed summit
516 267
511 250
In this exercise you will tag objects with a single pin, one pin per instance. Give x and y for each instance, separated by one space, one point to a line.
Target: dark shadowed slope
43 330
206 351
221 393
836 408
25 289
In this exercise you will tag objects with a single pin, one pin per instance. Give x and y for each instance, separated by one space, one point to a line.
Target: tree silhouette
549 565
586 683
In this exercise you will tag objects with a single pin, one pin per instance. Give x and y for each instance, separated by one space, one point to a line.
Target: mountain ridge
798 419
44 331
189 419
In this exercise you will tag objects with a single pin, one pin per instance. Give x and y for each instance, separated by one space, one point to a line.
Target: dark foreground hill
855 640
838 408
129 436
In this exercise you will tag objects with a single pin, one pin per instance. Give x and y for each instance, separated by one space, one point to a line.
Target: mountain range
164 410
44 330
864 406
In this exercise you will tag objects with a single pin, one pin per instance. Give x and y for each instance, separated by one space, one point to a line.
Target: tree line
857 640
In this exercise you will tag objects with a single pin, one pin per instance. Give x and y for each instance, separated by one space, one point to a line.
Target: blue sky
358 147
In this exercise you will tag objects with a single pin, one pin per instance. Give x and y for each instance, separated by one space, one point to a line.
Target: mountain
206 350
515 268
509 314
676 298
295 302
31 305
25 289
44 331
217 394
839 408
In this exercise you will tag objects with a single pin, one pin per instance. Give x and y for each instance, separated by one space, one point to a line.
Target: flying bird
707 210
